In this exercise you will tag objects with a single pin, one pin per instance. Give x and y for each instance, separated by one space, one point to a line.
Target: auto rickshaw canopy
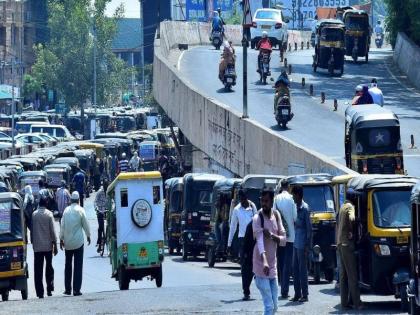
377 181
370 116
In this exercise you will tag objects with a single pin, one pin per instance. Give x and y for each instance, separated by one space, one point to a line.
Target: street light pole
245 63
143 89
13 108
94 66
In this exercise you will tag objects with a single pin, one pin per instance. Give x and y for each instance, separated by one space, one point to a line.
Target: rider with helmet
282 89
264 46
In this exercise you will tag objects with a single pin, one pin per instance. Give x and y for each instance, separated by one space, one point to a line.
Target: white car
274 23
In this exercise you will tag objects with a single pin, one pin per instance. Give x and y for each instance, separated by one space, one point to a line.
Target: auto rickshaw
149 152
196 212
383 217
414 285
135 227
372 140
340 189
319 195
13 266
174 193
253 184
223 193
32 179
329 46
97 147
73 162
57 173
357 37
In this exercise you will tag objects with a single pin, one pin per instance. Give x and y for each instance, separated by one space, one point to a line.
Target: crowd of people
275 244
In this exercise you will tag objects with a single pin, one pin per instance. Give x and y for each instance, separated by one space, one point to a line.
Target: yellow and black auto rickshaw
413 289
329 46
173 208
382 204
13 266
372 140
318 194
357 34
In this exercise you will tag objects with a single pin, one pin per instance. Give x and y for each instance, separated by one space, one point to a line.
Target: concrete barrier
242 146
407 54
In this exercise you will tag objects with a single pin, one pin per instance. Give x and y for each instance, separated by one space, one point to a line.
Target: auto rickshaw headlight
382 250
317 249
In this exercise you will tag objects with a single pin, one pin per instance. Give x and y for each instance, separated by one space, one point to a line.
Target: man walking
303 235
79 182
349 287
376 93
286 206
62 198
73 224
241 216
44 242
123 164
100 208
269 233
135 162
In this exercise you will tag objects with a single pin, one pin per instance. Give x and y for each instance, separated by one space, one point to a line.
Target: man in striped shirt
123 164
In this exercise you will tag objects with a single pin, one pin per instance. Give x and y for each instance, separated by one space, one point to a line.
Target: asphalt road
315 125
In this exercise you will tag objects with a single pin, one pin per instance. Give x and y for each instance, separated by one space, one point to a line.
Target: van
25 126
58 131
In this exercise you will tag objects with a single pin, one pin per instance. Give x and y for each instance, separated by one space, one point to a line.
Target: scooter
229 77
216 39
379 40
284 112
264 66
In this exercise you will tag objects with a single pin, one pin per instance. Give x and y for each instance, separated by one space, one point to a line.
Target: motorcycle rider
219 10
379 29
264 45
282 89
228 58
217 23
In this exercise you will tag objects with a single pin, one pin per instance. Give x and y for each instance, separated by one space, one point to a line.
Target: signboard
202 10
147 152
307 8
4 88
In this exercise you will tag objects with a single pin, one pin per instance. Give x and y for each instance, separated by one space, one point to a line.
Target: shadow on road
224 91
235 301
332 292
372 308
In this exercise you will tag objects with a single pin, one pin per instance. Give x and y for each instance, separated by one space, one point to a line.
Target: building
22 25
127 42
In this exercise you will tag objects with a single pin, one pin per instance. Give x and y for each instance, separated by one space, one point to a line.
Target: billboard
307 8
202 10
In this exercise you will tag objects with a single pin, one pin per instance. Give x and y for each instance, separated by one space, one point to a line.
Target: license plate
266 27
205 219
16 265
402 239
229 80
143 252
285 111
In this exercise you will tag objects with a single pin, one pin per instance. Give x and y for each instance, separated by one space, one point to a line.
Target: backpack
249 240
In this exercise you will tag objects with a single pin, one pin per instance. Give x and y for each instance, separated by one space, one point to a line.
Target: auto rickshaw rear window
357 22
332 34
156 195
374 139
391 208
124 197
319 198
5 218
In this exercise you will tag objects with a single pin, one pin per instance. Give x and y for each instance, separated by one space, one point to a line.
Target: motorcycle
216 39
264 66
284 112
379 39
229 77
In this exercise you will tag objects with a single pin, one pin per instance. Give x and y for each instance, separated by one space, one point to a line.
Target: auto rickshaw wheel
404 298
329 275
24 291
5 296
123 280
317 273
159 277
342 70
184 252
211 257
367 58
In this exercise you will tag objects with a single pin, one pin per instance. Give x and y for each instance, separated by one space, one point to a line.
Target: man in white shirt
73 223
376 93
285 204
241 216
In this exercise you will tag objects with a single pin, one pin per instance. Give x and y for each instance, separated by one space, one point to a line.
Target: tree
65 63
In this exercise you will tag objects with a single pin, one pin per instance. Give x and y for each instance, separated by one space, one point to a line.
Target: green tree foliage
403 17
65 63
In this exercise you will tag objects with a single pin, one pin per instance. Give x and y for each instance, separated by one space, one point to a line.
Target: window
124 197
60 133
319 198
26 36
268 15
3 36
392 208
156 195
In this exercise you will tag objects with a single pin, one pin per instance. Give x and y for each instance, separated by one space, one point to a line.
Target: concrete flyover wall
407 54
242 146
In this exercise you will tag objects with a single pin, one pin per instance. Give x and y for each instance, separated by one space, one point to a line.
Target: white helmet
264 34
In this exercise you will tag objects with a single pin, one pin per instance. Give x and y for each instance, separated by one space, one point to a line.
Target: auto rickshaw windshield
391 208
357 22
10 220
378 140
320 198
201 198
176 202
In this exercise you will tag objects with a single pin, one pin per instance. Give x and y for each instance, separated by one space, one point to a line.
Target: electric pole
143 89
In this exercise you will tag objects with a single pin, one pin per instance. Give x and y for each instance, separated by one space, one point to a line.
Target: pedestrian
100 208
241 216
97 174
44 242
134 163
45 192
113 167
123 164
269 233
73 224
62 197
163 166
301 246
28 208
79 182
286 206
376 93
349 286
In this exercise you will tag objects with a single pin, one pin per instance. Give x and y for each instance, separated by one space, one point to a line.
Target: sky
132 8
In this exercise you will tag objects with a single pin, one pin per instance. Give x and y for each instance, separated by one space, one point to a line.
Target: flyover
186 86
